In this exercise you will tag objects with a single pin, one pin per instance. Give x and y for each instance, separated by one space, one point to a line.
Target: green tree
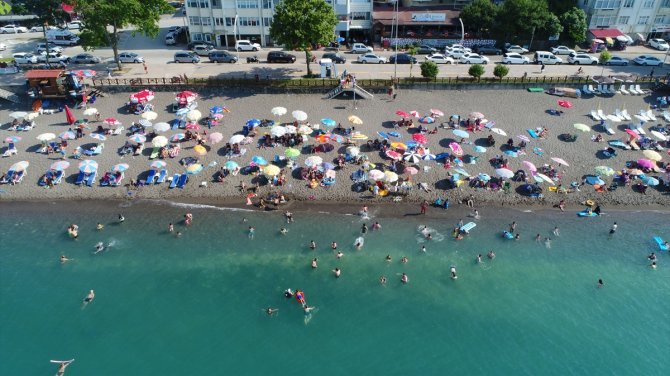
297 24
604 57
517 18
553 25
476 71
500 71
412 51
48 12
561 6
6 8
104 18
479 15
574 23
429 69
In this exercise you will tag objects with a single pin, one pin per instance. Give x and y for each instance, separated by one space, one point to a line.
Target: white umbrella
353 151
278 111
162 127
193 115
498 131
659 135
304 129
46 137
90 111
145 123
545 178
277 131
412 157
18 114
299 115
32 116
236 139
313 161
504 173
159 141
149 115
19 166
376 175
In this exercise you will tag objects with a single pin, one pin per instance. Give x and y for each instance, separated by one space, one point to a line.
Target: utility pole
395 62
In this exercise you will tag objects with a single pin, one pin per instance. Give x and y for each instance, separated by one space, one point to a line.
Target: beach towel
383 134
395 134
538 151
532 133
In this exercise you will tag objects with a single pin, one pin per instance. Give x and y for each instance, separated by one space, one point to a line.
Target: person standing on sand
424 207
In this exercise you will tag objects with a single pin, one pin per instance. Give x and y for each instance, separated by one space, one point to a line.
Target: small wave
205 206
423 232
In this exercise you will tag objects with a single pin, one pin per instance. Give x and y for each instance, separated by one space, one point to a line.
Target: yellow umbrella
193 115
359 137
390 176
353 119
159 141
582 127
271 170
398 145
654 156
200 150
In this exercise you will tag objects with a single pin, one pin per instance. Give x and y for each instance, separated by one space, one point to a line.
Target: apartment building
223 21
629 16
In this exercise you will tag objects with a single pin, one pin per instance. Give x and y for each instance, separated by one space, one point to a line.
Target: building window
623 20
267 21
194 20
192 4
267 4
607 4
665 3
628 3
215 3
247 4
248 21
360 16
204 4
197 36
643 20
602 21
230 21
659 20
205 21
648 3
218 21
360 1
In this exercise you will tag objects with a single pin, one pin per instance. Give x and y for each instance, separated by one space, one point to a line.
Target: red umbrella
193 126
69 116
632 133
142 96
402 114
420 138
565 104
393 155
186 96
111 121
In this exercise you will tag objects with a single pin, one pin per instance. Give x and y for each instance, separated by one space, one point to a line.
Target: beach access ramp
9 96
350 89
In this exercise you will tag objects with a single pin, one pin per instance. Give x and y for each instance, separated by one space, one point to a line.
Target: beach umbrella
545 178
420 138
411 170
328 122
429 157
659 135
402 114
604 170
193 115
359 137
157 164
253 123
159 141
593 180
336 138
177 137
484 177
305 129
653 155
278 111
277 131
412 157
19 166
199 149
415 113
18 114
504 173
564 103
523 138
398 145
32 116
511 153
456 148
236 139
479 149
46 137
215 138
393 155
59 165
322 138
313 161
271 170
354 151
194 168
426 120
182 111
13 139
120 167
330 174
149 115
90 111
192 126
81 73
582 127
461 171
530 166
476 115
87 166
353 119
185 97
560 161
139 138
436 112
99 136
291 152
231 165
651 181
246 141
69 116
291 129
111 121
216 110
162 127
634 171
257 159
299 115
460 133
145 123
376 175
632 133
498 131
390 176
646 163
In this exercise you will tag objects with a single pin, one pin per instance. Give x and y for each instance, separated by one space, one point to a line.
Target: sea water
194 304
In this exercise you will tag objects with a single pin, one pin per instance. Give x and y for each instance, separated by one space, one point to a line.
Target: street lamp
462 30
395 62
235 30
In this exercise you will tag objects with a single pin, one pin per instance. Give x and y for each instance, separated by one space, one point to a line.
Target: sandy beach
513 111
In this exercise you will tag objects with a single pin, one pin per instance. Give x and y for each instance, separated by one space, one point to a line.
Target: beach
513 111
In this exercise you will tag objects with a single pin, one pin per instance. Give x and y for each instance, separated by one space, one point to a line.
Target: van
547 58
170 39
62 37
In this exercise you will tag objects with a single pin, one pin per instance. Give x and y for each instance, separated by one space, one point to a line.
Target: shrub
429 69
476 71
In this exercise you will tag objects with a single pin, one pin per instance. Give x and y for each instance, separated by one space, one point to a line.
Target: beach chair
155 152
638 128
666 116
632 90
115 182
183 179
625 115
117 131
602 115
139 150
173 183
611 89
614 118
80 178
650 115
595 116
58 177
151 177
18 177
11 150
639 90
96 151
601 90
48 175
161 177
608 129
90 179
585 90
622 90
592 90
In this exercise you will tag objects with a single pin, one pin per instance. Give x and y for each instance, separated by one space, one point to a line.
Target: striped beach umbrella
67 135
177 137
88 166
120 167
139 138
99 136
59 165
13 139
157 164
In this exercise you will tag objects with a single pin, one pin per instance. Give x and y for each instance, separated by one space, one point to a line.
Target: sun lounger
639 90
161 177
625 114
11 150
632 90
613 118
183 179
666 116
650 115
139 149
151 177
96 151
595 116
602 115
612 89
155 152
639 129
58 176
118 131
116 181
641 117
80 178
173 183
48 175
17 177
585 90
622 90
608 129
532 133
90 179
634 145
592 90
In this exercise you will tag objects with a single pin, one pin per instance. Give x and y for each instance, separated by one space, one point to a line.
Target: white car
576 58
372 58
11 29
474 59
42 48
130 57
246 45
648 60
3 46
54 57
74 25
360 48
514 58
40 29
659 44
516 48
25 58
456 53
562 50
439 59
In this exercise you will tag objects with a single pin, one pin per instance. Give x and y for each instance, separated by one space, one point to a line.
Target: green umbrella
291 152
604 170
582 127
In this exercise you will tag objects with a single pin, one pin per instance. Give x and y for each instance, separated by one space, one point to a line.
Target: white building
215 20
629 16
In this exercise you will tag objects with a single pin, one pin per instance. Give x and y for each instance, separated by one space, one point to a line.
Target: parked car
186 57
130 57
514 58
562 50
488 50
174 29
170 39
202 49
516 48
191 45
222 57
54 57
40 29
659 44
402 59
456 53
617 60
11 29
75 25
472 58
372 59
25 58
280 57
246 45
3 46
337 58
42 48
439 59
360 48
648 60
425 49
578 58
85 59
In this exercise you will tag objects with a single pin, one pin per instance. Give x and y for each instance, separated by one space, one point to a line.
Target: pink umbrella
402 114
564 103
415 114
111 121
411 170
436 112
393 155
215 138
456 148
193 126
420 138
646 163
632 133
560 161
530 166
523 138
186 97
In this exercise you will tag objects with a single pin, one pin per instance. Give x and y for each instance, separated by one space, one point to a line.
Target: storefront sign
429 17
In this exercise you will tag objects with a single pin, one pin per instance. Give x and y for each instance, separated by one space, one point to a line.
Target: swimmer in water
364 228
382 280
652 256
404 279
312 245
63 259
476 214
333 245
170 227
547 242
452 270
358 245
429 236
178 233
288 293
251 232
388 258
314 264
512 227
653 265
376 226
517 237
423 249
460 223
283 231
404 260
538 238
99 247
337 272
339 254
556 232
89 298
491 255
614 228
479 259
99 226
62 366
121 218
600 283
271 311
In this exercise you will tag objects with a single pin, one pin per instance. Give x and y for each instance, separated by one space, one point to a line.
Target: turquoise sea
194 304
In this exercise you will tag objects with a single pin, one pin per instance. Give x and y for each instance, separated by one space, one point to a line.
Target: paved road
159 61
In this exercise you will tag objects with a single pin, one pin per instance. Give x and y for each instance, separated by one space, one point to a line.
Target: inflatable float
300 297
507 235
662 245
587 213
468 226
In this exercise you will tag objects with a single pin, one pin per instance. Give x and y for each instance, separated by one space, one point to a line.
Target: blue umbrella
511 153
328 165
593 180
426 120
429 157
253 123
460 133
480 149
88 166
231 165
257 159
328 122
182 111
484 177
649 180
442 156
13 139
216 110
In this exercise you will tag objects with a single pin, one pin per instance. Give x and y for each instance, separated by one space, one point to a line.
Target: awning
408 16
44 73
604 33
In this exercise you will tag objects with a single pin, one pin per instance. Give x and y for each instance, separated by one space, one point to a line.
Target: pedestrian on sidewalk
146 70
542 68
